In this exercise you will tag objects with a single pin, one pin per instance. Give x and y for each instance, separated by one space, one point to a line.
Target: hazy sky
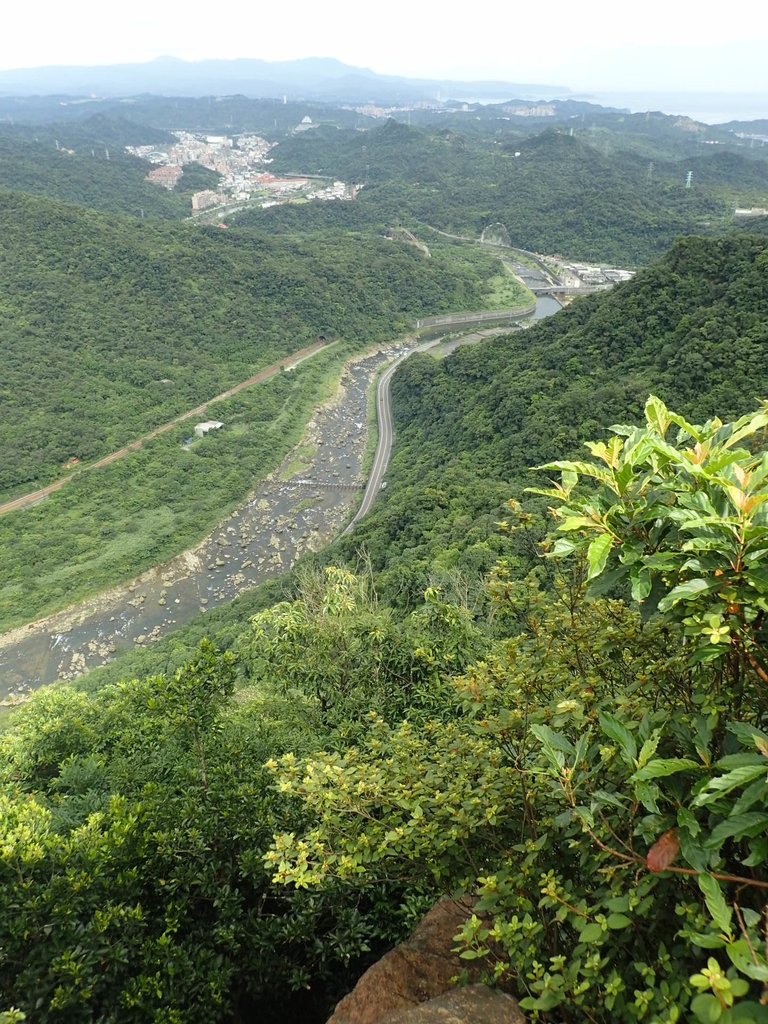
655 44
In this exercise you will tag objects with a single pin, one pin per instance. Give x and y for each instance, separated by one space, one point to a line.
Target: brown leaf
663 852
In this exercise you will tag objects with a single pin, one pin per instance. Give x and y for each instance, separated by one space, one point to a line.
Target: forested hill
556 192
112 325
96 174
692 329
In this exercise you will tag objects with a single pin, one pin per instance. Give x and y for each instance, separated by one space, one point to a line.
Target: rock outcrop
475 1004
412 983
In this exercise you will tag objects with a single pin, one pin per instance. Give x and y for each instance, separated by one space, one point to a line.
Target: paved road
384 417
384 444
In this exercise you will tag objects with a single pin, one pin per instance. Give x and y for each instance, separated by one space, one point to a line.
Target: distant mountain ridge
317 78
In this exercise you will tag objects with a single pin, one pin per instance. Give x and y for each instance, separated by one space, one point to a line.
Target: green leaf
704 940
624 477
758 853
589 469
563 547
706 1008
659 768
619 733
617 904
569 479
544 735
686 591
716 905
656 415
591 933
571 523
743 960
738 826
556 740
619 921
687 819
648 794
740 776
641 584
745 429
598 553
747 734
689 428
648 748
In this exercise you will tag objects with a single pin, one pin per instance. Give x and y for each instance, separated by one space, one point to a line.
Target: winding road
384 405
383 445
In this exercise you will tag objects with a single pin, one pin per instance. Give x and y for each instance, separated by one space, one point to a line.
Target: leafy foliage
599 783
685 522
132 886
344 656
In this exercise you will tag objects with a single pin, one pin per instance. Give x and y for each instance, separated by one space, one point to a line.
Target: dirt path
26 500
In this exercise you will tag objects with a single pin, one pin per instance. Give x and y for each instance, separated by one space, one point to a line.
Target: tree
601 786
685 523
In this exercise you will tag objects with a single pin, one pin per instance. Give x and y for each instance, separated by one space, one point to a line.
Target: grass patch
505 291
303 506
500 288
300 462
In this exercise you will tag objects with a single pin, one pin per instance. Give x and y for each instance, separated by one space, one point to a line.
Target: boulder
475 1004
418 971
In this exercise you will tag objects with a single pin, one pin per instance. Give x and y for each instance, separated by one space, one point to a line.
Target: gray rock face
475 1004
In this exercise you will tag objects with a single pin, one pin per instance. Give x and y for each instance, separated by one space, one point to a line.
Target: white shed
202 428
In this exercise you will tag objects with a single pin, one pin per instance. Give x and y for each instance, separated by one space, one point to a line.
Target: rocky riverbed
298 508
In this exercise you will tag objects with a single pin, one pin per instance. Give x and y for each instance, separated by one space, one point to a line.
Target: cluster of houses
240 161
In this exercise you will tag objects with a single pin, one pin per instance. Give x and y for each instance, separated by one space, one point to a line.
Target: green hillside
693 329
556 192
96 174
112 326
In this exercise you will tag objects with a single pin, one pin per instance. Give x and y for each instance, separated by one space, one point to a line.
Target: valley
443 597
298 508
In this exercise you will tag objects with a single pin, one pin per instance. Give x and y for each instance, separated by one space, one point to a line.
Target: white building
202 428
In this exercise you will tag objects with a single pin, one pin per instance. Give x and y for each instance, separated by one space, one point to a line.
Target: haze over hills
310 78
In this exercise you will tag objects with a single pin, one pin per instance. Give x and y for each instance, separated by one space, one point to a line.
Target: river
286 516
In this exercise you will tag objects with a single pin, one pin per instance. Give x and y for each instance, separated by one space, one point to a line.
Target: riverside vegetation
579 739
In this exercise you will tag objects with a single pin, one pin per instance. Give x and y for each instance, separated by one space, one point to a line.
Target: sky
595 44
